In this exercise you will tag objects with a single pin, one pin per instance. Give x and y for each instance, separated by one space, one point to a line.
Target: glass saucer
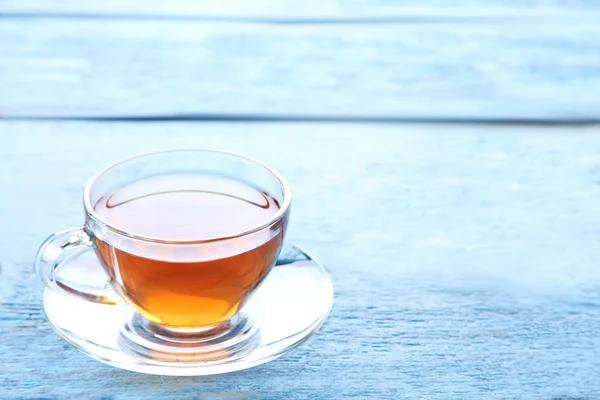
289 306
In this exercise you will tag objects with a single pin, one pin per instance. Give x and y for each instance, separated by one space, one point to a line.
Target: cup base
290 305
231 340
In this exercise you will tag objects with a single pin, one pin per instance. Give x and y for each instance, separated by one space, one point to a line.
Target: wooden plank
115 67
292 8
465 259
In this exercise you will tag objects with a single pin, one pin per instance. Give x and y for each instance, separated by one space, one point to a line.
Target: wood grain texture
465 259
469 70
293 8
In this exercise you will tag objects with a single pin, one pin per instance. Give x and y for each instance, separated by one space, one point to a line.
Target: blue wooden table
465 257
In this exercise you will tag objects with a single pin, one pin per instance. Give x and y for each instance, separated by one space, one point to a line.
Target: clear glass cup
146 334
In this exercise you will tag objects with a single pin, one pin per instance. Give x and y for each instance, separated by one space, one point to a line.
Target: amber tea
188 207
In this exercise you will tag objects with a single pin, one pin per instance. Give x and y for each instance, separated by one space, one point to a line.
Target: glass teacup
185 237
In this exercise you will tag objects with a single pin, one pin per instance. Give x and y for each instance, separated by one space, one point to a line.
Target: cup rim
92 214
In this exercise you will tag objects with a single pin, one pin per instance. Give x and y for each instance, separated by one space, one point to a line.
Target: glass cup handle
55 252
